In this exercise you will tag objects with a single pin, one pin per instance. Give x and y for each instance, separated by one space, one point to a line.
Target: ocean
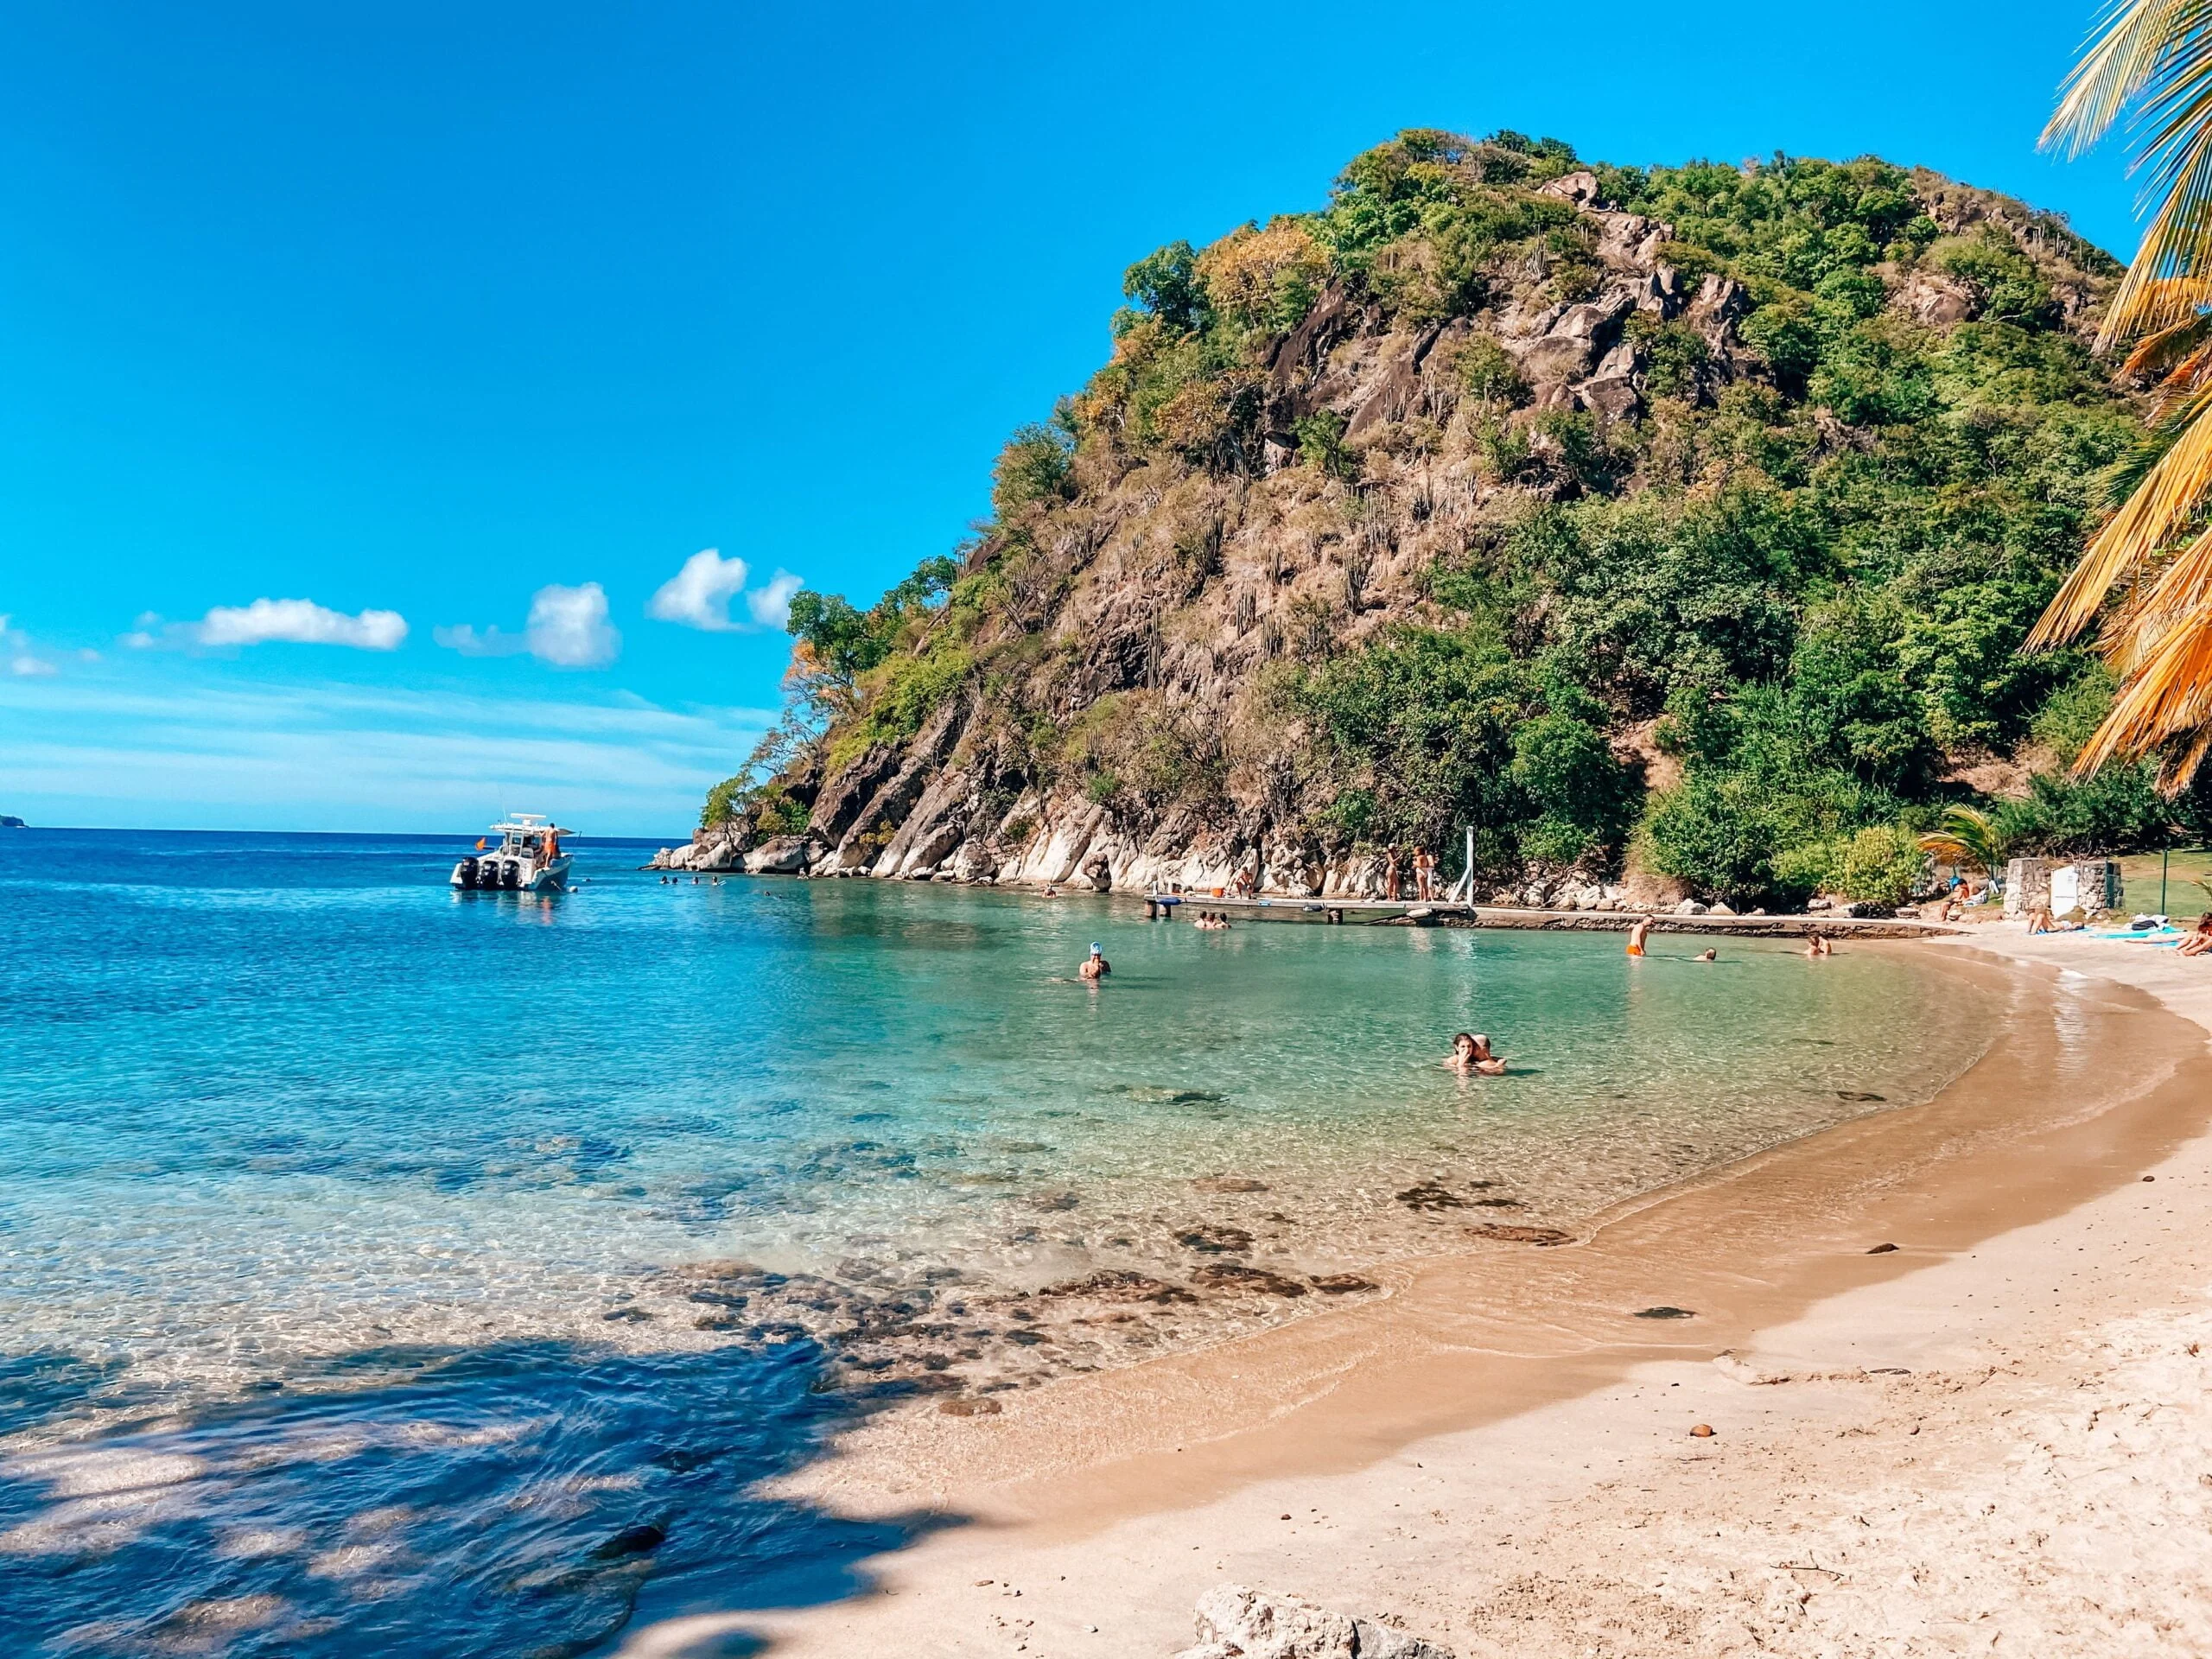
394 1270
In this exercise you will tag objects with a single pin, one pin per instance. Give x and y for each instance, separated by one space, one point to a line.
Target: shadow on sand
525 1500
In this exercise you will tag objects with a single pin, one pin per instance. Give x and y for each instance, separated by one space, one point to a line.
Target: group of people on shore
1423 869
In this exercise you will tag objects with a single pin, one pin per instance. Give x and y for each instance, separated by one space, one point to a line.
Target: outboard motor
510 873
468 872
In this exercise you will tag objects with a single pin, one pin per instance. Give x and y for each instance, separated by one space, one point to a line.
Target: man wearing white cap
1094 966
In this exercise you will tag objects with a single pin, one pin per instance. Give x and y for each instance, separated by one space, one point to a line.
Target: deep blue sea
389 1270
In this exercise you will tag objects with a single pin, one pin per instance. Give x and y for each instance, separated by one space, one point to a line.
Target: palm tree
1968 839
2154 57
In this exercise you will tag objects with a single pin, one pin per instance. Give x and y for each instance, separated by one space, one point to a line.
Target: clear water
359 1241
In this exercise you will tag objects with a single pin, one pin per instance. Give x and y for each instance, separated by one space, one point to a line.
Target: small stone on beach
1663 1311
1702 1432
970 1406
1882 1250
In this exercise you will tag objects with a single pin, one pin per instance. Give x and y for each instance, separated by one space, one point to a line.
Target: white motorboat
527 859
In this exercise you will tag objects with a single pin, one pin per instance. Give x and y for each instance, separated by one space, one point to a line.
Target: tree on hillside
2154 57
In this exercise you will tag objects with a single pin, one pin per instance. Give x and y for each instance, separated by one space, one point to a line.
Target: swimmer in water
1094 966
1706 955
1470 1057
1818 946
1637 934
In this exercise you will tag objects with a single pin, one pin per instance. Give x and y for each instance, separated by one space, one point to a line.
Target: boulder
1689 907
778 856
1937 301
1579 187
1236 1622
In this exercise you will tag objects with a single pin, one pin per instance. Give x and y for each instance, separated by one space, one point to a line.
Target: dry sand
1997 1437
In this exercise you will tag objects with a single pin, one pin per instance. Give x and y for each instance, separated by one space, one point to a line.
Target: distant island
1674 529
7 823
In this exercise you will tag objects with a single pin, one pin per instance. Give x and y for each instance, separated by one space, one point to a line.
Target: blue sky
474 327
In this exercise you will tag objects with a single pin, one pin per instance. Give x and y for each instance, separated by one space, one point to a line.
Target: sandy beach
1995 1437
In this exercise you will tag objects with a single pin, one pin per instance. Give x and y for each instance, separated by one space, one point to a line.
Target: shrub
909 690
1880 865
1321 443
1164 284
2006 286
1579 789
1037 466
1489 374
1264 278
1718 833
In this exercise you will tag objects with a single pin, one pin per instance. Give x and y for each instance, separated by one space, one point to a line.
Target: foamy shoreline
1994 1432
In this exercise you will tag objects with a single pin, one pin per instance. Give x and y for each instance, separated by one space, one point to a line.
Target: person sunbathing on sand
1637 934
1471 1055
2199 944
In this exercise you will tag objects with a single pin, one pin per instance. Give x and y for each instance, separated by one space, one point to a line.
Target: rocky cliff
1483 499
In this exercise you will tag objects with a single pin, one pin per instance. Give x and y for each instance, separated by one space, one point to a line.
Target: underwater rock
1234 1275
1119 1285
640 1540
1340 1284
1506 1233
1430 1196
1213 1238
1228 1184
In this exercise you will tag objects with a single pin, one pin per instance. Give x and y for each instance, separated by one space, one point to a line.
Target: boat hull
489 873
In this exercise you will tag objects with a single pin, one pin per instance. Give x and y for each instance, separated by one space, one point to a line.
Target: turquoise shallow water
349 1197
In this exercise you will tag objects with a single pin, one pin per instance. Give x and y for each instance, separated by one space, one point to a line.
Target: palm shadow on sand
529 1499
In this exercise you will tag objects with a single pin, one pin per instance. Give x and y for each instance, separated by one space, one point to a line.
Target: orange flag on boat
480 843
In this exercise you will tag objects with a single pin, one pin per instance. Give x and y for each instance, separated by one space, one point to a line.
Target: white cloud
771 606
16 646
295 621
698 595
567 628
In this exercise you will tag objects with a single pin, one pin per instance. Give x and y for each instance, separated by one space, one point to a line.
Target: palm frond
2124 52
2170 350
2133 632
1967 838
2167 700
2177 155
2162 506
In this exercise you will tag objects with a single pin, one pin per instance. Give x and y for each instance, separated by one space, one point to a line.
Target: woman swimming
1472 1056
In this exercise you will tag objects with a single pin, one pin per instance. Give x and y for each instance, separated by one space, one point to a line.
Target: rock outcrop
1159 590
1235 1622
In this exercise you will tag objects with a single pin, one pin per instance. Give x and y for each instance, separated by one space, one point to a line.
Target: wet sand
1495 1390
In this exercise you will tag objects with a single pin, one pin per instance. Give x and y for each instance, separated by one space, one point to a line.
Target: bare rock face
1936 300
1235 1622
778 856
717 846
